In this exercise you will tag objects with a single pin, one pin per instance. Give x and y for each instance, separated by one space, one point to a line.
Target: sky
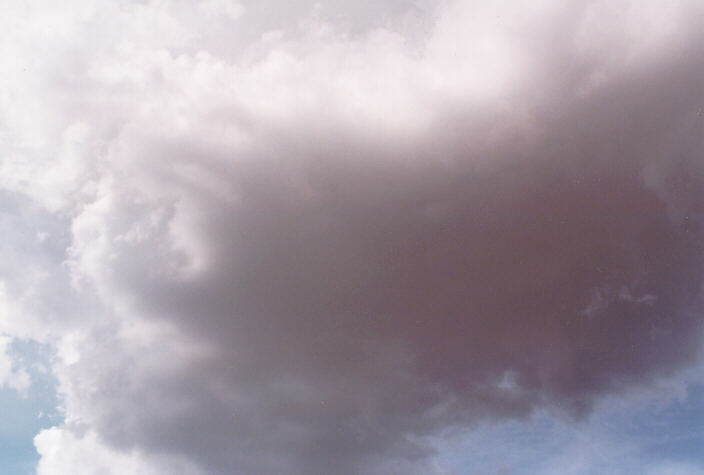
438 237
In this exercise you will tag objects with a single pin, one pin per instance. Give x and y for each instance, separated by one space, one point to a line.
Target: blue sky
621 437
25 413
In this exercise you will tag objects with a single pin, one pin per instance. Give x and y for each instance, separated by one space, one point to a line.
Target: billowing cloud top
280 238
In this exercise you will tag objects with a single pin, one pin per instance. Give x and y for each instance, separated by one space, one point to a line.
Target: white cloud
63 451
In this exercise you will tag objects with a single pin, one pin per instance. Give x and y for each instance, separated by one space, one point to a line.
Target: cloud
63 451
310 249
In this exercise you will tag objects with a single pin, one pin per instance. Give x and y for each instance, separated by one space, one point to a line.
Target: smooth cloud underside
314 254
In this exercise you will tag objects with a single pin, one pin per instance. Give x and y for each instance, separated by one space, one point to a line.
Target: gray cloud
320 264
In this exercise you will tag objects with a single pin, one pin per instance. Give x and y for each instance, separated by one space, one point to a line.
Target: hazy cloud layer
310 244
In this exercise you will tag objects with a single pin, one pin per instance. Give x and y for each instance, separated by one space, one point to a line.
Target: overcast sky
351 237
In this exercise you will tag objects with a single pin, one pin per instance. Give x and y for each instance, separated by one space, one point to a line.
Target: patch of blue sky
24 414
635 434
677 432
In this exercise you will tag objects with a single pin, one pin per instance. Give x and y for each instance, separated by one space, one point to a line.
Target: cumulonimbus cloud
313 254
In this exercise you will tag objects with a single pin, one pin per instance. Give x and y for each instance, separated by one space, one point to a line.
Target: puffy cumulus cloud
311 243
